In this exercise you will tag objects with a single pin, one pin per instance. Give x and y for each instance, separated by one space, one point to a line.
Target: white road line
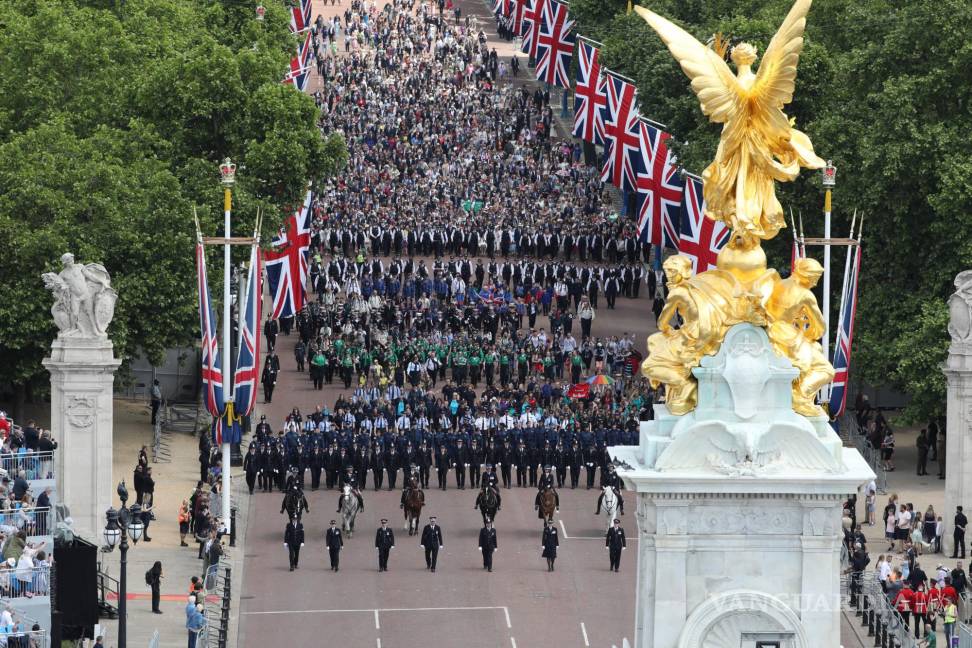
506 611
377 625
570 537
376 611
584 632
378 639
513 641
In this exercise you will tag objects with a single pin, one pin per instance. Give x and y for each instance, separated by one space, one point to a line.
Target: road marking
379 642
506 611
570 537
376 611
584 632
377 625
513 641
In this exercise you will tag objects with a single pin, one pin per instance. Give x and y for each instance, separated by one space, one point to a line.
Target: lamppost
227 172
829 181
122 524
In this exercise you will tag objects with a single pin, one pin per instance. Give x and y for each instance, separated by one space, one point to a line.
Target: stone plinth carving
82 365
958 373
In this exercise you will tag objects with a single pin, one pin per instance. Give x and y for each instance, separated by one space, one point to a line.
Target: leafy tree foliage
113 117
883 91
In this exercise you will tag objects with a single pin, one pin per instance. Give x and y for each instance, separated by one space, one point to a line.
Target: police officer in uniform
294 540
487 544
614 542
384 543
431 542
611 478
546 481
334 541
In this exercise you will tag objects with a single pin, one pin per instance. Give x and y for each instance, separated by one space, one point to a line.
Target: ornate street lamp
121 525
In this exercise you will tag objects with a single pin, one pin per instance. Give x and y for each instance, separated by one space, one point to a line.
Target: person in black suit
549 543
384 543
487 544
615 541
431 542
334 541
294 540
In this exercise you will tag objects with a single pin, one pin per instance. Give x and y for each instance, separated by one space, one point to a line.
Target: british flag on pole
555 44
659 189
532 16
247 360
621 134
300 16
212 373
300 65
845 339
589 100
700 238
287 263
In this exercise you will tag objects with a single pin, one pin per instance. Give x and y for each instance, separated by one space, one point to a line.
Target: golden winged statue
758 145
758 148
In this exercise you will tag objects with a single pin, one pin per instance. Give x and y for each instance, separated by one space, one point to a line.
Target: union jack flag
287 264
503 8
532 17
701 237
659 189
245 379
300 65
514 16
622 139
212 373
845 338
555 44
300 16
589 100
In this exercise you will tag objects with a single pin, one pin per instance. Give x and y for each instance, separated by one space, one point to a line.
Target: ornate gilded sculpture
758 147
758 144
84 301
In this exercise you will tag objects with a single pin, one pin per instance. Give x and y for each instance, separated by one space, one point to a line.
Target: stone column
958 372
82 367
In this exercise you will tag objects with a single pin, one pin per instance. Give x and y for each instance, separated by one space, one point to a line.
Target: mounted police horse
413 499
549 502
350 505
488 502
610 503
294 503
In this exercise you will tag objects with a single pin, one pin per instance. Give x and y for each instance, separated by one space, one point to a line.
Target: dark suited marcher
334 542
958 533
384 543
549 543
615 542
294 540
431 542
487 544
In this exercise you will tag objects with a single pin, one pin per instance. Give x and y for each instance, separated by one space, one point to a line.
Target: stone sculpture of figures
84 301
960 308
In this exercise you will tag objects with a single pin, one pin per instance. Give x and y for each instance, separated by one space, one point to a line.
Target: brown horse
414 500
549 502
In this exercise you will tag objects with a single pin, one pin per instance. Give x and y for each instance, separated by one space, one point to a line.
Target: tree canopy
883 91
113 118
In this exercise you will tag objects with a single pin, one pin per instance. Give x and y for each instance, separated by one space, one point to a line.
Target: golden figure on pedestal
758 147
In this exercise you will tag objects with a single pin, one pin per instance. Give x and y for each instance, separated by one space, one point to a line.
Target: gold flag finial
719 44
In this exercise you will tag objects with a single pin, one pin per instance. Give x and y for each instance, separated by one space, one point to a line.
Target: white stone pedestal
82 379
738 506
958 373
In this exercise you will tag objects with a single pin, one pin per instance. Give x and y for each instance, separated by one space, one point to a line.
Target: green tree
113 118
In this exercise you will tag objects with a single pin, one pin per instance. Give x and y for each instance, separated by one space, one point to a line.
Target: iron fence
866 600
29 465
26 582
36 521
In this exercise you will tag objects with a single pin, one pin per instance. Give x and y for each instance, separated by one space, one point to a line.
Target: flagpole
829 180
228 172
844 283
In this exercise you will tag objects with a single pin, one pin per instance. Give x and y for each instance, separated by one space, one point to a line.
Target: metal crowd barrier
868 602
25 582
850 431
217 609
30 465
35 521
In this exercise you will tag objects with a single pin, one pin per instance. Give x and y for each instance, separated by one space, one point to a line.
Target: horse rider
489 477
489 482
294 491
350 478
612 479
546 481
407 487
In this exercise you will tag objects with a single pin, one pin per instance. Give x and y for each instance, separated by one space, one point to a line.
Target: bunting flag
659 189
503 8
700 237
227 428
245 379
845 338
589 100
300 16
532 17
621 134
212 373
514 19
300 66
287 263
555 44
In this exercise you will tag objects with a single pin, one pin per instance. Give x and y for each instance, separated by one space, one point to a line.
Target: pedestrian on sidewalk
958 533
153 578
195 622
